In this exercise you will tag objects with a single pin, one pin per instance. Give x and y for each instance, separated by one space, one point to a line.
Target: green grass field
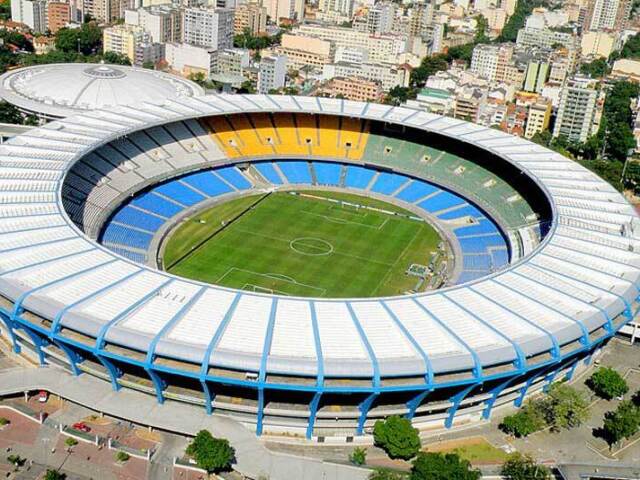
302 246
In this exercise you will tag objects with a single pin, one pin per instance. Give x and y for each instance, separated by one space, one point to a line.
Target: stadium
528 264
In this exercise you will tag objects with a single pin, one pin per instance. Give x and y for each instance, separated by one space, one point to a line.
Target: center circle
311 246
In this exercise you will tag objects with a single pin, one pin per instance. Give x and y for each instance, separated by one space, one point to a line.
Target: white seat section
473 332
567 284
430 335
385 338
162 138
606 281
247 328
211 150
42 274
293 330
184 137
79 287
529 308
112 303
30 223
40 253
27 185
28 209
620 256
24 239
154 314
143 142
492 313
338 334
31 163
559 300
203 319
27 197
21 173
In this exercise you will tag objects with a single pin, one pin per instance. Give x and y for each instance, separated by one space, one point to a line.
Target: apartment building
577 109
208 27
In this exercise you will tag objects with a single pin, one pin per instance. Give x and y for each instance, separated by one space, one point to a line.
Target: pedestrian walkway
253 459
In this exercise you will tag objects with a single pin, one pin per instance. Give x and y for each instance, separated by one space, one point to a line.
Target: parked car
82 427
43 396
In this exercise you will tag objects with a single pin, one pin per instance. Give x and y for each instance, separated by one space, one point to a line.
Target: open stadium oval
549 268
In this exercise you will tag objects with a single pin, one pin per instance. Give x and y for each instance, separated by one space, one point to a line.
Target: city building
58 15
626 69
284 9
354 88
149 53
545 38
43 45
388 75
302 51
32 13
598 44
536 76
490 60
187 59
105 11
124 40
250 16
208 27
343 7
381 16
163 22
434 100
577 109
607 14
538 118
232 61
272 72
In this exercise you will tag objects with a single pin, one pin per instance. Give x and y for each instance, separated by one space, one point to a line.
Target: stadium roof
59 90
583 275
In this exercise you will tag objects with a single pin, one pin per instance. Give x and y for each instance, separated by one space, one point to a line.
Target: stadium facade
562 283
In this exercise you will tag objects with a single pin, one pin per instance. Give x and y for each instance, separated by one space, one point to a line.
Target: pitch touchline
346 222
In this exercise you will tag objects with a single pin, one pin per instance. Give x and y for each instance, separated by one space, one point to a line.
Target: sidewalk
253 458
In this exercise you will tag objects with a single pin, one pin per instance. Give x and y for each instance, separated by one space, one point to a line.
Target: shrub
525 422
358 456
4 421
54 475
523 467
211 454
122 456
622 423
71 442
607 383
565 407
16 460
386 474
396 436
439 466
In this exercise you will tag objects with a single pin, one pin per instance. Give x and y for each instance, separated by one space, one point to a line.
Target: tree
439 466
122 456
70 442
565 407
358 456
607 383
397 437
398 95
86 39
149 65
596 69
516 21
54 475
211 454
525 422
4 421
524 467
385 474
428 66
621 423
116 58
9 113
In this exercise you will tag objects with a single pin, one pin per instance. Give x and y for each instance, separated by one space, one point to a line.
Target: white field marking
321 251
342 221
273 276
363 259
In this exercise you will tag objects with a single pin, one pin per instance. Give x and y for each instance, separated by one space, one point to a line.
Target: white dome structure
59 90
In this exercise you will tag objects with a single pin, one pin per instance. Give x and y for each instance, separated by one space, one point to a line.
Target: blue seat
119 235
296 172
477 262
387 183
134 256
180 193
466 211
415 191
207 183
234 177
268 172
483 227
468 276
137 218
441 201
500 257
358 177
327 173
153 203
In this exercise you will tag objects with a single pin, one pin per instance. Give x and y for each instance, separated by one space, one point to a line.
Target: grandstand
309 366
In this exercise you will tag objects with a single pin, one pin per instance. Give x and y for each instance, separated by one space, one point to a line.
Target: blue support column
313 410
113 371
73 357
495 393
415 402
208 397
572 370
364 408
158 383
9 324
38 343
523 391
456 400
260 411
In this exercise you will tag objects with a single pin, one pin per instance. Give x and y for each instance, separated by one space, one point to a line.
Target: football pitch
308 244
